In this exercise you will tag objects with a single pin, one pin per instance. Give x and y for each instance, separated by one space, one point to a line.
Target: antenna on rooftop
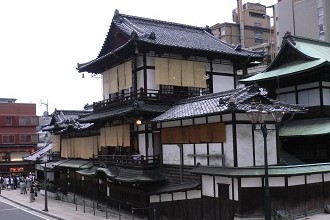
46 104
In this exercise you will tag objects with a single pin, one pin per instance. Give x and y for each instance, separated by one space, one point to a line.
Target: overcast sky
42 41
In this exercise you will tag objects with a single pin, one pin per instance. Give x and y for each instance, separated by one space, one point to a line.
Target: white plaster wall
199 121
276 181
215 148
187 122
188 149
166 197
314 178
251 182
326 96
151 82
171 154
324 83
289 98
213 119
286 89
242 117
309 97
154 198
142 144
179 196
140 79
271 148
296 180
150 149
326 177
235 187
207 186
226 117
170 124
201 149
194 194
139 61
222 83
221 68
244 145
308 85
150 61
228 147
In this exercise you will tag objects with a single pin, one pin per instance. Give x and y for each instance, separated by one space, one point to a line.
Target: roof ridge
160 21
310 40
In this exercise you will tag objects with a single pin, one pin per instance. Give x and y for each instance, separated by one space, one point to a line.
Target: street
9 211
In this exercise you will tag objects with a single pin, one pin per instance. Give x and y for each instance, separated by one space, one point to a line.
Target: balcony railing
140 161
168 95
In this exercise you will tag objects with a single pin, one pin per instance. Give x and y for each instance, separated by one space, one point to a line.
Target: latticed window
28 120
9 120
8 139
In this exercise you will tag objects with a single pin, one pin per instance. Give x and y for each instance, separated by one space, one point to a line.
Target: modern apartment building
18 136
305 18
252 28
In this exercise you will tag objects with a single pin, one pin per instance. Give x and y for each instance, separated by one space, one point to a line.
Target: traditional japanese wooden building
172 92
300 75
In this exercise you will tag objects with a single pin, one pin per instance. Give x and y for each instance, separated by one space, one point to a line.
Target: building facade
252 29
18 122
306 18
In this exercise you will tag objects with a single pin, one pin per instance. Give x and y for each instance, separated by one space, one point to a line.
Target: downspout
181 162
241 22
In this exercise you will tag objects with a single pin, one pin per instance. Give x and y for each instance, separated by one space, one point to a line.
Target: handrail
144 94
127 160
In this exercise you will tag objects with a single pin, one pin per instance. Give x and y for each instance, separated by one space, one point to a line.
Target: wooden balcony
168 95
140 161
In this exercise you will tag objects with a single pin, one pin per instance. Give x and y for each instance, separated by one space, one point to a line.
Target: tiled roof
307 127
238 100
175 35
167 34
39 153
316 52
63 119
117 112
127 175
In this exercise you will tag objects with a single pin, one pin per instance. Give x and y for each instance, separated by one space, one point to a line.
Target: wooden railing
127 160
144 94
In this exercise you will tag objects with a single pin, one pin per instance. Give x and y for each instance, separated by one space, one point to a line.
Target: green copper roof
305 169
307 127
285 70
317 51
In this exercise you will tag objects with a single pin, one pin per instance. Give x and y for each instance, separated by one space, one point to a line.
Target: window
28 139
257 24
321 29
28 121
8 139
9 120
257 15
257 41
222 31
320 11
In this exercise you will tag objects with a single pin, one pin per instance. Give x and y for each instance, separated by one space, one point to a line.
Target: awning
308 127
74 164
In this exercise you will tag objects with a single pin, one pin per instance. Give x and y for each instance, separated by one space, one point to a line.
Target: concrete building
18 136
252 28
306 18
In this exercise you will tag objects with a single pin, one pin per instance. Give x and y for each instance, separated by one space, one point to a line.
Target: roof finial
288 37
